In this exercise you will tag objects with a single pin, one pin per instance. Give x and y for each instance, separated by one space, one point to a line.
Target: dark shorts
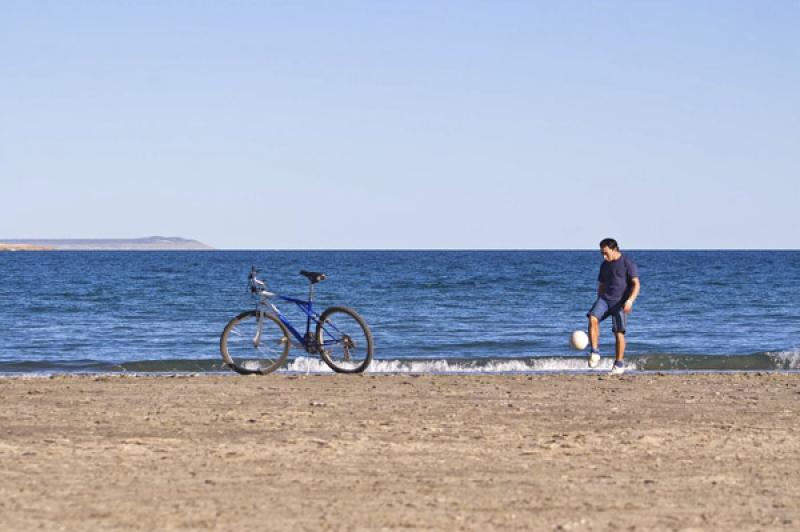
602 309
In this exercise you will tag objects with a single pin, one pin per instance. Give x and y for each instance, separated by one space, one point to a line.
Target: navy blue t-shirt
617 275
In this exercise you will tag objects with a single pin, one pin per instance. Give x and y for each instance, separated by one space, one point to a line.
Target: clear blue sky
382 124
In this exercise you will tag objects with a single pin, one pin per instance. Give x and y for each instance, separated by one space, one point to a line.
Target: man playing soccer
617 289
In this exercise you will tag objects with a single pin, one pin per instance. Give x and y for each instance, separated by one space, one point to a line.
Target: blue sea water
430 311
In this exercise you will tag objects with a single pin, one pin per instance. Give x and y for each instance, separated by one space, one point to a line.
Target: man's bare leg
594 333
594 337
620 345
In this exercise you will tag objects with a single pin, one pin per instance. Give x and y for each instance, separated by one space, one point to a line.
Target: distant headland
150 243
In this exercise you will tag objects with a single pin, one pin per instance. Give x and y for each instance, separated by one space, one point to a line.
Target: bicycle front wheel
344 340
254 342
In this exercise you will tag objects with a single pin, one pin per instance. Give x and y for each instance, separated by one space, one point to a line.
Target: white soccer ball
579 340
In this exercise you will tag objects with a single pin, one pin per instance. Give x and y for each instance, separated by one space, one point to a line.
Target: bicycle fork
259 330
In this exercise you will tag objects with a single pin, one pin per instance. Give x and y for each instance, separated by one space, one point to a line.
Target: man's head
610 249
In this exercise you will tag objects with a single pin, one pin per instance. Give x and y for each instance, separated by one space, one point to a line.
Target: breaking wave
765 361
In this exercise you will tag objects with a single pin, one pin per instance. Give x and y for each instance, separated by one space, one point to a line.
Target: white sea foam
786 359
308 365
543 364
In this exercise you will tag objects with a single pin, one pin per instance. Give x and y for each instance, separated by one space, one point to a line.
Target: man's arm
601 287
634 294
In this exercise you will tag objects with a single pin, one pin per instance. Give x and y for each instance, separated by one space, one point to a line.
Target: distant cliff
151 243
22 247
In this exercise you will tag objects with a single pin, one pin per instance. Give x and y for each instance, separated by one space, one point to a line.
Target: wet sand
542 452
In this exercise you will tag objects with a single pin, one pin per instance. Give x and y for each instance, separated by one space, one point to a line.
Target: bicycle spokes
348 344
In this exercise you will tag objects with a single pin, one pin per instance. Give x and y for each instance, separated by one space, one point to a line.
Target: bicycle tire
241 354
344 340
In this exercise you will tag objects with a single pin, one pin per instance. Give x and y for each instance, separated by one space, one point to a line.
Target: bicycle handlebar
254 284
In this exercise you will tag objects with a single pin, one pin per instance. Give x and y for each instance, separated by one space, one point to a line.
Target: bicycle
258 341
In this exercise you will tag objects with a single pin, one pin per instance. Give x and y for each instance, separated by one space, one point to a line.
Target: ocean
429 311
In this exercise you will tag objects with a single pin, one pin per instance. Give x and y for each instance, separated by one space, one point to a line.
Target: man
618 287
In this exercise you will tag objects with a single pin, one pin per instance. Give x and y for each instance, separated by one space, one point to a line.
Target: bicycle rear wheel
248 347
344 340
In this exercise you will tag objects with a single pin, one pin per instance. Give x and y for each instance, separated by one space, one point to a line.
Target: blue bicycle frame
306 340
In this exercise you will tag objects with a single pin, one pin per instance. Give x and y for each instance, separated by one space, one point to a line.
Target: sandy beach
524 452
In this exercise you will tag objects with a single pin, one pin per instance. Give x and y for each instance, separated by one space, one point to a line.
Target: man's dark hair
609 243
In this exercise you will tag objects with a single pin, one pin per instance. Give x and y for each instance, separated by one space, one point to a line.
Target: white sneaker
594 359
618 368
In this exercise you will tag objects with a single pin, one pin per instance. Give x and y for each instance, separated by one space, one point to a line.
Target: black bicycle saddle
314 277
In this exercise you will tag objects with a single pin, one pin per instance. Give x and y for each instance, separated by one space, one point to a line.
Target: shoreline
433 452
322 374
636 363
